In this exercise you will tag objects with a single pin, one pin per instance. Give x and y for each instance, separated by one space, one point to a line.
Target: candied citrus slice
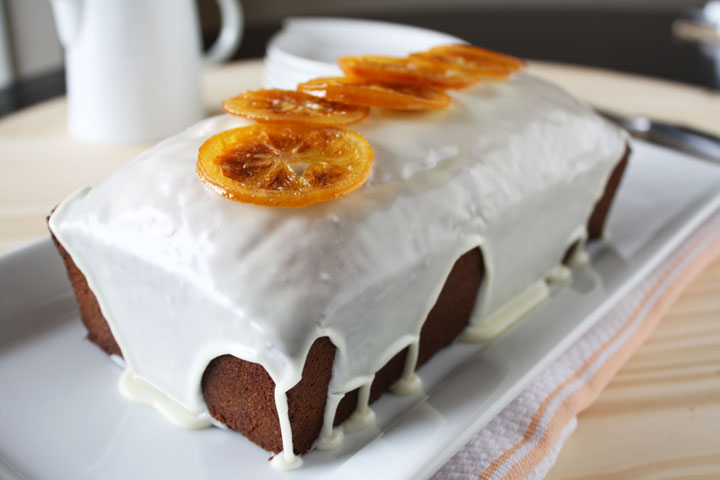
284 165
478 56
285 106
407 71
374 94
484 68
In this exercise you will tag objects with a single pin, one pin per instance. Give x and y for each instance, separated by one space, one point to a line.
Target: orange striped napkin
523 441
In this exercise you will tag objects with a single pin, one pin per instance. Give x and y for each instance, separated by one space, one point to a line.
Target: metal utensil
685 139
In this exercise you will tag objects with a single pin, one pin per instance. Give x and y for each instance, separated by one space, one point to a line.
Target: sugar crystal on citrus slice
284 165
484 68
471 55
290 106
407 71
375 94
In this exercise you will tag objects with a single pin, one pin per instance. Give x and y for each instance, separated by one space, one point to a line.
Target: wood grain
658 419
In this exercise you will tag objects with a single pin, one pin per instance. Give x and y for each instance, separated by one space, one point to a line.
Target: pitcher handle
231 30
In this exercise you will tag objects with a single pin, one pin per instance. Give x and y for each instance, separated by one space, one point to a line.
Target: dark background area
633 41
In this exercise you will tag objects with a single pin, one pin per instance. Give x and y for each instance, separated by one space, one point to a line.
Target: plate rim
701 212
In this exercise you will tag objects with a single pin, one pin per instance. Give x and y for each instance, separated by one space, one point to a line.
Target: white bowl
308 47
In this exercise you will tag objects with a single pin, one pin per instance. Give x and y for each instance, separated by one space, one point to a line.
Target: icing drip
330 437
282 463
330 441
285 460
409 382
559 274
138 390
579 257
363 416
168 258
513 311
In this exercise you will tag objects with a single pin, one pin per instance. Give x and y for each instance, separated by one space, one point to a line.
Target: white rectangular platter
61 415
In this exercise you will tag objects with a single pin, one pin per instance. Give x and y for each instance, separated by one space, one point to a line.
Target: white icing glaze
559 274
138 390
409 381
511 312
330 437
332 440
359 420
363 416
285 463
183 275
579 257
408 385
286 460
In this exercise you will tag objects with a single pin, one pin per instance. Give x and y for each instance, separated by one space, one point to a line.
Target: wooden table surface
659 418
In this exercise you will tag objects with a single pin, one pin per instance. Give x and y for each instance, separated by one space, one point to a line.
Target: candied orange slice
407 71
285 106
374 94
472 56
484 68
284 165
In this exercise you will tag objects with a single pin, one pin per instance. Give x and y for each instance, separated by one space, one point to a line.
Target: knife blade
685 139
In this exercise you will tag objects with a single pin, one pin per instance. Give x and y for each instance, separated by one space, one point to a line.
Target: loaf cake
285 323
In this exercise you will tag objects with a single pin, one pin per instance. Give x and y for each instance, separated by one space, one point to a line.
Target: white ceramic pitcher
133 66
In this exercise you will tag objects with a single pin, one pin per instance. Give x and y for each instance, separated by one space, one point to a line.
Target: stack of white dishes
307 47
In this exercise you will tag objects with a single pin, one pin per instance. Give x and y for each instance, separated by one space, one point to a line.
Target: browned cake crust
98 330
241 394
596 224
446 320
